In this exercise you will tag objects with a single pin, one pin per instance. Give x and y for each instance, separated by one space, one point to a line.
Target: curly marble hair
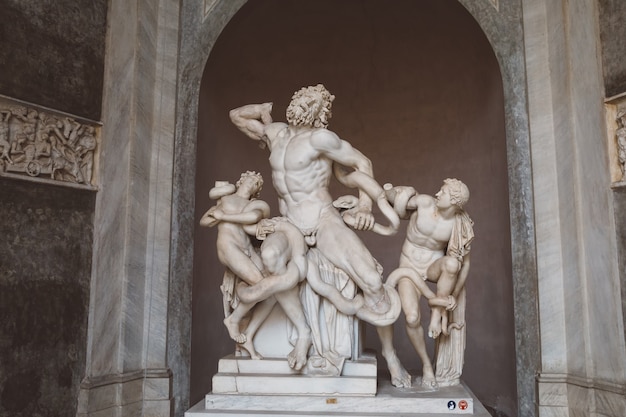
256 176
308 118
459 193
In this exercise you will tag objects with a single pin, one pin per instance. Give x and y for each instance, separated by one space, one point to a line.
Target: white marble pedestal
245 376
390 401
245 387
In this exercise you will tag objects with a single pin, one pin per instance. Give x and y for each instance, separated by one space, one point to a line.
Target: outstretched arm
341 152
253 213
402 197
252 119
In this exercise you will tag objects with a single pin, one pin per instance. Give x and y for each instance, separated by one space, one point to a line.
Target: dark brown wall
613 34
52 53
45 267
419 92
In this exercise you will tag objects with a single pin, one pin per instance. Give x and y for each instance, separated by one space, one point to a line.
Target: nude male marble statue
304 154
436 249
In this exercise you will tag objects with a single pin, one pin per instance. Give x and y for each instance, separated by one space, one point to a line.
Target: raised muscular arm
252 119
341 152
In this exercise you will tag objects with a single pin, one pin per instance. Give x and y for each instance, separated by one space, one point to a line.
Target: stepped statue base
245 376
389 401
269 387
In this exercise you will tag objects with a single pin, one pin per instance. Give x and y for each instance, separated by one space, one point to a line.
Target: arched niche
502 28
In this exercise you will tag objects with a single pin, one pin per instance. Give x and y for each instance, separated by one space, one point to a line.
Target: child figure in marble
237 214
237 207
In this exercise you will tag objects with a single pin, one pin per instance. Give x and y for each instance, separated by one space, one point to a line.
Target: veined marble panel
579 315
604 344
99 396
545 411
548 216
129 308
208 6
579 396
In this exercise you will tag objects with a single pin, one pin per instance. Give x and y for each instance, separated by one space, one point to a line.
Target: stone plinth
245 376
389 401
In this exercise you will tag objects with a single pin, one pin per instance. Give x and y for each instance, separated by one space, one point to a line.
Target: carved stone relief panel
616 129
47 146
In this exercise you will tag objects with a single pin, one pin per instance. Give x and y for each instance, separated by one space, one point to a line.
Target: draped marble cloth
462 236
230 298
450 350
331 331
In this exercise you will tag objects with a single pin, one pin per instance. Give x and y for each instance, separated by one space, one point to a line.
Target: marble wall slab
127 342
579 297
619 208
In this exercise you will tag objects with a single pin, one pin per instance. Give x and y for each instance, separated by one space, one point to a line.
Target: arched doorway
377 103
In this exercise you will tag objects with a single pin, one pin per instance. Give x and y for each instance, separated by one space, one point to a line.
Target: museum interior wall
52 56
424 102
96 286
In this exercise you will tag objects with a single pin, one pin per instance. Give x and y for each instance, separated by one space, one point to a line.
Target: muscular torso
426 238
427 229
300 175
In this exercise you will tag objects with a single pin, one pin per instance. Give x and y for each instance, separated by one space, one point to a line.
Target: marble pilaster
503 27
127 345
579 297
619 204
